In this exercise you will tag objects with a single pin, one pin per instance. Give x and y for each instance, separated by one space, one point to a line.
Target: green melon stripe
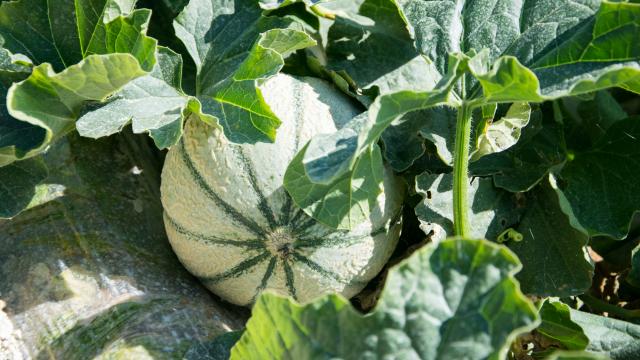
227 208
290 279
327 273
237 270
263 204
297 215
265 278
335 240
303 225
287 210
317 267
211 239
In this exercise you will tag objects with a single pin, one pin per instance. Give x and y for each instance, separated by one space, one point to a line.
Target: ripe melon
233 225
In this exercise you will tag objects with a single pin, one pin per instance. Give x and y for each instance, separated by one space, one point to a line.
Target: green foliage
556 324
234 47
84 51
97 71
17 185
614 338
458 299
511 121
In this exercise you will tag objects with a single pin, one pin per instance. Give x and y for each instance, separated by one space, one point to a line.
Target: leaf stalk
461 171
322 12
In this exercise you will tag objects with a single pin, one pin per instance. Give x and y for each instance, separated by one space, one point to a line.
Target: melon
233 225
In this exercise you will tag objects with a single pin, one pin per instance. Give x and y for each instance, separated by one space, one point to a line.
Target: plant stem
603 306
322 12
461 171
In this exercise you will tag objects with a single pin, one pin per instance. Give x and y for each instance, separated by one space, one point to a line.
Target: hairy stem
461 171
322 12
603 306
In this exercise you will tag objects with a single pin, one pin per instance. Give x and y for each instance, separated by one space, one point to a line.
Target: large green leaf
153 103
17 138
17 185
525 32
556 324
157 104
492 212
552 251
610 169
547 143
519 168
587 118
235 48
375 48
456 300
81 28
509 81
620 340
344 203
53 101
87 50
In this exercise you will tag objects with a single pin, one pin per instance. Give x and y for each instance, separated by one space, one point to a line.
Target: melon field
328 179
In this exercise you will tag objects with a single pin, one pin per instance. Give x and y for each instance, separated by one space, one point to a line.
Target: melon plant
288 135
233 225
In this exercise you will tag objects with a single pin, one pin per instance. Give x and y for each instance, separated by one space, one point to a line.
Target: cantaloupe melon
233 225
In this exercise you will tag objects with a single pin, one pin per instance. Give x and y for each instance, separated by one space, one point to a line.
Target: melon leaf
612 163
153 103
493 210
235 48
347 201
16 137
454 300
528 62
614 338
608 162
361 44
93 79
553 250
17 185
93 49
157 104
556 324
541 148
